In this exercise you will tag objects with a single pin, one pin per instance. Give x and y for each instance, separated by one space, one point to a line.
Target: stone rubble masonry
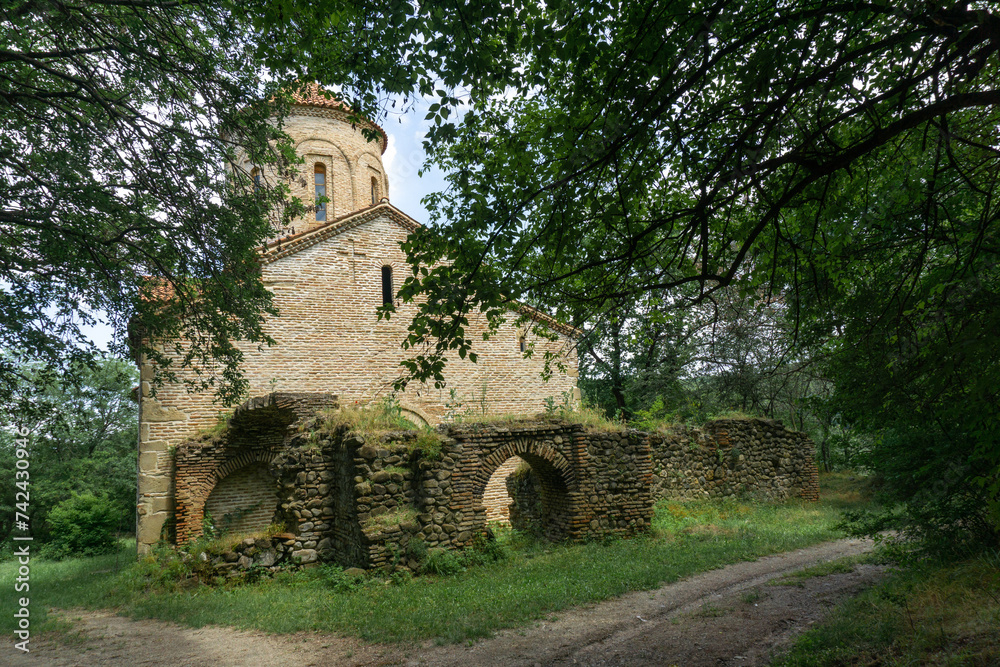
256 433
734 457
378 501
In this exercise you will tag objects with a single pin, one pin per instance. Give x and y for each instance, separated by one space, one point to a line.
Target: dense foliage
609 161
82 448
796 201
127 133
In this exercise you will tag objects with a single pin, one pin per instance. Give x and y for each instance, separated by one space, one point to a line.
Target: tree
82 434
634 355
127 133
841 154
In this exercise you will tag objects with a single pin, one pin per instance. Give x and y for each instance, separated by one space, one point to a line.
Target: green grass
535 581
592 418
840 566
928 614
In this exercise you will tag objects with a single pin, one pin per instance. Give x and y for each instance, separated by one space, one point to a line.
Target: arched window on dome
319 177
374 191
387 293
255 177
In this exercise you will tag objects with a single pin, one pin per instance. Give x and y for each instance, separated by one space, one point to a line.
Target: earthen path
729 616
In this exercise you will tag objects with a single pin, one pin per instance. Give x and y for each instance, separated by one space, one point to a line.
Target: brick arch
555 475
242 460
258 431
540 457
194 501
414 415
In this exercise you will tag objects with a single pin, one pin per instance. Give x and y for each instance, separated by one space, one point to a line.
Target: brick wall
326 136
244 501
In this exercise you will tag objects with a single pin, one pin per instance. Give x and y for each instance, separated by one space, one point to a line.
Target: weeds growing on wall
377 417
391 519
216 431
374 417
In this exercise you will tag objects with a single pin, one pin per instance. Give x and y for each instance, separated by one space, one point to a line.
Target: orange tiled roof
313 95
161 289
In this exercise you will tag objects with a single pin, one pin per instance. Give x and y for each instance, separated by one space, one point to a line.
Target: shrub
83 525
484 550
427 444
441 561
336 578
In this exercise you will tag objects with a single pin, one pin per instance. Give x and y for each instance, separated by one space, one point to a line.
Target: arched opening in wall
496 498
374 190
536 494
243 501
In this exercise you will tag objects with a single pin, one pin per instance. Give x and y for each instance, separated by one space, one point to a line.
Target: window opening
320 180
387 294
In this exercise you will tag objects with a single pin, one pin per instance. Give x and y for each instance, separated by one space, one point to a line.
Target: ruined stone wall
381 501
734 457
257 432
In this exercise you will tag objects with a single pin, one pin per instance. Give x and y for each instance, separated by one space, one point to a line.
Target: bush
442 561
336 578
484 550
83 525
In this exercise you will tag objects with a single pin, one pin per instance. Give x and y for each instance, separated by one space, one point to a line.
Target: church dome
341 164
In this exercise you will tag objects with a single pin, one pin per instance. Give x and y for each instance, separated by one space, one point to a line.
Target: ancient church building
328 277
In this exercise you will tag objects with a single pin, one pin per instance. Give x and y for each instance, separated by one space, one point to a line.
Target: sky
402 160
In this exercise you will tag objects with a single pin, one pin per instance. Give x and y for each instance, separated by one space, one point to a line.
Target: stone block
304 556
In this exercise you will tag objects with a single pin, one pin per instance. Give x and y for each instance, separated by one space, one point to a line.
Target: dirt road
729 616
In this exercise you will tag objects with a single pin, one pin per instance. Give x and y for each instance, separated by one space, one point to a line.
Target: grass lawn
534 581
